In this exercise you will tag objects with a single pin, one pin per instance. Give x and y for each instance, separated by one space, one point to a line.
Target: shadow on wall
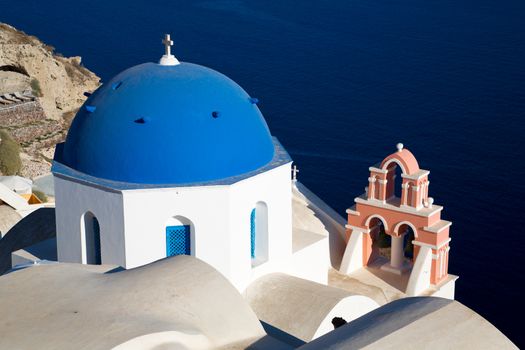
333 222
34 228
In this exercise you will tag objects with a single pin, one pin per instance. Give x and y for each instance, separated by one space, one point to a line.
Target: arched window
90 229
398 180
259 233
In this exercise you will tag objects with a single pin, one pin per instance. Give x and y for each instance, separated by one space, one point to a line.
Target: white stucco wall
447 289
219 217
274 189
312 262
148 212
75 199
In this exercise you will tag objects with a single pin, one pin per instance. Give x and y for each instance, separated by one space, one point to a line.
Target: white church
180 224
176 158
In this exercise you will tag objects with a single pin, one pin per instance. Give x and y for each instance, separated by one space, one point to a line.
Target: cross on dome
168 59
168 43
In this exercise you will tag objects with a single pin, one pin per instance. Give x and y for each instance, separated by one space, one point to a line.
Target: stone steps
14 99
30 133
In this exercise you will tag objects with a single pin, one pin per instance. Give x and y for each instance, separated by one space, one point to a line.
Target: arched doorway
381 241
259 233
180 236
402 253
90 230
408 250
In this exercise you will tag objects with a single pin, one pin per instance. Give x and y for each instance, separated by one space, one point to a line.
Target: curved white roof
181 299
416 323
302 308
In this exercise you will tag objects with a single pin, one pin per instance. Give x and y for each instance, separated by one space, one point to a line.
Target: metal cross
167 43
294 172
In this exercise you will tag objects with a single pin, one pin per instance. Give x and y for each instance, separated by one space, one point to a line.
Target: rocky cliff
62 81
28 65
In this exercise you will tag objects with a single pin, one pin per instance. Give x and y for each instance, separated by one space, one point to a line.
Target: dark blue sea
340 83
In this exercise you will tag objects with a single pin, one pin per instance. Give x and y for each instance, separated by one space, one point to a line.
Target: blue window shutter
178 240
252 233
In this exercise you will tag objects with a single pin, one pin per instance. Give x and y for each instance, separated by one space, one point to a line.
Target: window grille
178 241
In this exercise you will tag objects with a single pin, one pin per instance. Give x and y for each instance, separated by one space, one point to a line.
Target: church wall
275 190
73 200
148 212
220 216
312 262
133 223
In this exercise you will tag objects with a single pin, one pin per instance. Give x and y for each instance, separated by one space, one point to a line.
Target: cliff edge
40 92
62 81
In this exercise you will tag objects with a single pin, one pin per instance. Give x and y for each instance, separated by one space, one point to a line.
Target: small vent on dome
115 86
141 120
90 109
87 94
215 114
254 100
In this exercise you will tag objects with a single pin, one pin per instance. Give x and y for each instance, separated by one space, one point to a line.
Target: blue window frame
252 233
178 240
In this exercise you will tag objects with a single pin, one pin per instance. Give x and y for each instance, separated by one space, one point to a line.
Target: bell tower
401 234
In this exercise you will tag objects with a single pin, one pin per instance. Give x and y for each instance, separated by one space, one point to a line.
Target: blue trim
178 240
252 232
59 169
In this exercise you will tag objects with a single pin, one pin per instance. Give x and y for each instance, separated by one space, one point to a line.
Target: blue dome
155 124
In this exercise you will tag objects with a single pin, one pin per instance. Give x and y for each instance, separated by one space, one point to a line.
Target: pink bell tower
411 220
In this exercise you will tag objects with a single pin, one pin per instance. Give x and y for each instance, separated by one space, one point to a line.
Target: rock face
28 65
62 80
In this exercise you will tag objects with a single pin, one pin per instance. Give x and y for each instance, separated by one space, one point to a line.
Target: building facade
174 158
